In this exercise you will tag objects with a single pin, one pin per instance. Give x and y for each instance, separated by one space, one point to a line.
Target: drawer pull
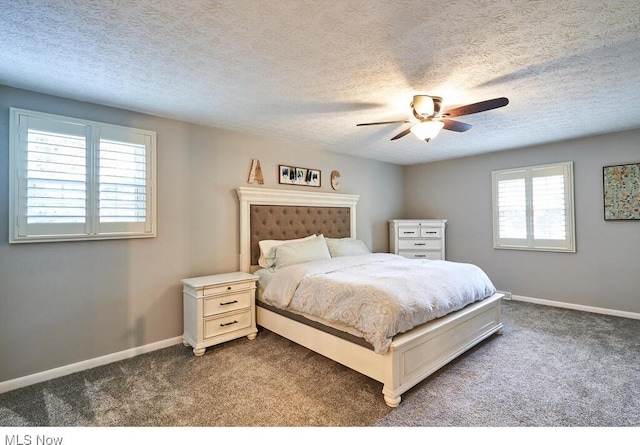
227 324
410 232
229 302
420 256
420 244
229 288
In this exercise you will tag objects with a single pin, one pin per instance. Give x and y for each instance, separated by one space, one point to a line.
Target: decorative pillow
268 251
346 247
301 252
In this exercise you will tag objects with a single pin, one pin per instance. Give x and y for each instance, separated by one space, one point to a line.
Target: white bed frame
414 355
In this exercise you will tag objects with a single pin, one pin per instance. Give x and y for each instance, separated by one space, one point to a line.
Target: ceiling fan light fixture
427 130
423 105
426 110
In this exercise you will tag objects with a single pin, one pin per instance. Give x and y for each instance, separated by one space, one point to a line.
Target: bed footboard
412 357
422 351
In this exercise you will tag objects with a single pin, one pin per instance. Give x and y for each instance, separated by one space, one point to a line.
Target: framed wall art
298 176
621 188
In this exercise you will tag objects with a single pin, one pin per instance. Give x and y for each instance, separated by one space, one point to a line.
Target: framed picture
621 186
298 176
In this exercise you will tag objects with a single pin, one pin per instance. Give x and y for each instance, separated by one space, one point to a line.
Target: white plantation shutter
123 193
75 179
50 170
512 204
56 178
549 204
533 208
122 182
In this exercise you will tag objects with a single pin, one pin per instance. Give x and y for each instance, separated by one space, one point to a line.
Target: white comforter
379 294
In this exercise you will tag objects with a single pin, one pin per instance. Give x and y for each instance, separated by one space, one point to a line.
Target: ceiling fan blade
401 134
380 123
477 107
458 126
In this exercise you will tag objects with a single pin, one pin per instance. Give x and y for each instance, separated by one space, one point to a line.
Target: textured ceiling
309 71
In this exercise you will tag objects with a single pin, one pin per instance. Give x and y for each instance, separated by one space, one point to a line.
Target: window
533 208
73 179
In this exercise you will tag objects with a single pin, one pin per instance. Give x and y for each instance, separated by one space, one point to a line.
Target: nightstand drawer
226 288
226 303
227 323
419 244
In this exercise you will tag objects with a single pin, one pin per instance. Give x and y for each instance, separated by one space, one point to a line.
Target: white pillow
268 251
346 247
301 252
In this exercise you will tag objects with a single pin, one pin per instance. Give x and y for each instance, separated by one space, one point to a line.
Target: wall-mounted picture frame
621 188
288 174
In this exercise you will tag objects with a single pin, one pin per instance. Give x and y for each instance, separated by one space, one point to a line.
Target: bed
409 357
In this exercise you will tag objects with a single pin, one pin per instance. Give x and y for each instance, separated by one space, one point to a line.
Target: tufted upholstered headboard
290 222
284 214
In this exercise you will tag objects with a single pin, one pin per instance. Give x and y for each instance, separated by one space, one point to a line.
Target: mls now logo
28 439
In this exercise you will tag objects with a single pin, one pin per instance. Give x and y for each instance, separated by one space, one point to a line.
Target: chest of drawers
218 308
418 238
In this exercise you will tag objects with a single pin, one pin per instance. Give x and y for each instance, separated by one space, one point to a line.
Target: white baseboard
39 377
32 379
577 307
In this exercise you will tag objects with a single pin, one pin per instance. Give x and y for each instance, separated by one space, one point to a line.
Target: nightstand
218 308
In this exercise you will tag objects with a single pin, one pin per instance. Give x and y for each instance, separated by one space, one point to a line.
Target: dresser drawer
420 244
228 302
227 323
408 232
420 254
430 232
227 288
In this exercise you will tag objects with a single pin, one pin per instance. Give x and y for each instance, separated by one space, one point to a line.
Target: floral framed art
621 188
298 176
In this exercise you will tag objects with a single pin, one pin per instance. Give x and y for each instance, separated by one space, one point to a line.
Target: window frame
568 244
94 132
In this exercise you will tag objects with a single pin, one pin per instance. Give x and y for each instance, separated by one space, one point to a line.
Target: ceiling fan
427 109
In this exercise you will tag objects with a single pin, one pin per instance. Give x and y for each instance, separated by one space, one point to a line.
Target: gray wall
605 270
62 303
